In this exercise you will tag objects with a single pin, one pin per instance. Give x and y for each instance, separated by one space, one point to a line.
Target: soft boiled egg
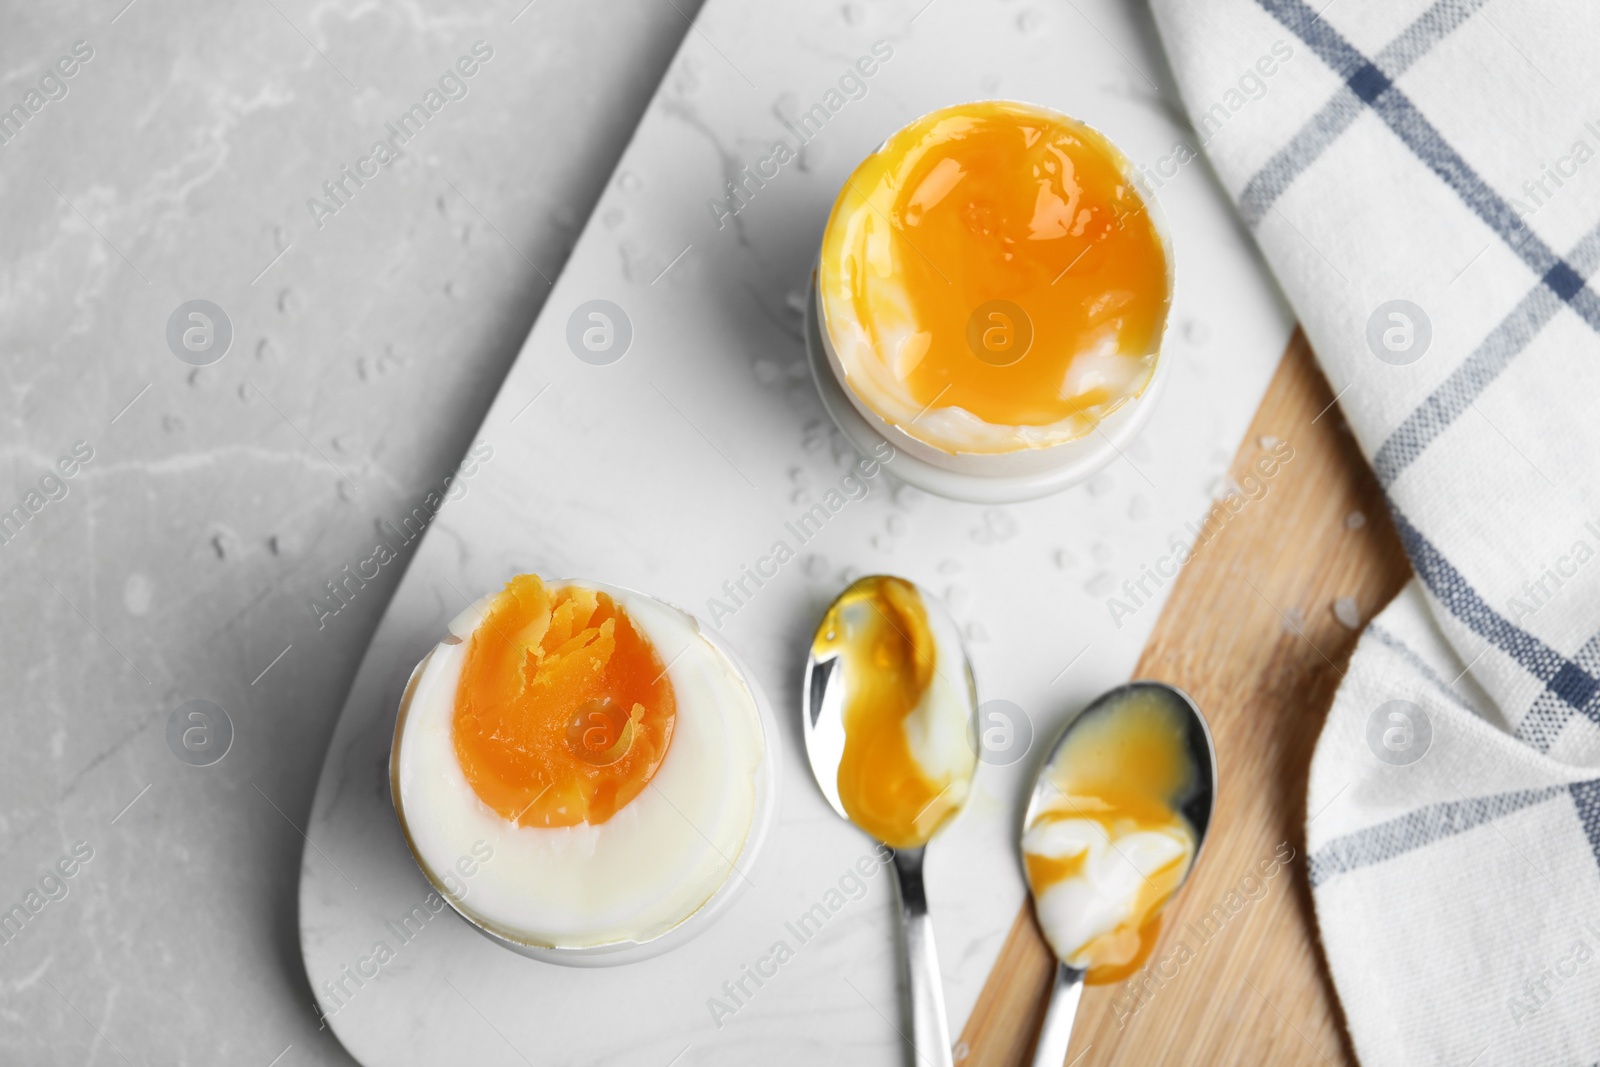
608 753
992 280
1109 847
907 751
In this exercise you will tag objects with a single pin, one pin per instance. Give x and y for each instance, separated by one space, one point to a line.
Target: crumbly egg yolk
1122 772
879 628
1000 260
564 710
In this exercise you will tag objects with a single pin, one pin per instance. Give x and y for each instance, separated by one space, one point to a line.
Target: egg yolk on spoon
564 710
999 259
879 628
1108 848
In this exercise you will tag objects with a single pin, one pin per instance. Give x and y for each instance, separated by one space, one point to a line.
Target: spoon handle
930 1031
1056 1033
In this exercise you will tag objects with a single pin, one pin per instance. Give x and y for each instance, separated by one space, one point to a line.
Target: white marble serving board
671 469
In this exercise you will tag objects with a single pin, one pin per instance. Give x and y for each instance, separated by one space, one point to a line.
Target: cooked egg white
558 880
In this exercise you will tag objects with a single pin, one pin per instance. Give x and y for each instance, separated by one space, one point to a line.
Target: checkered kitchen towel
1424 178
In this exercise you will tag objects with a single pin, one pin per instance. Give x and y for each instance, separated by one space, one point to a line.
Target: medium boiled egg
993 280
609 755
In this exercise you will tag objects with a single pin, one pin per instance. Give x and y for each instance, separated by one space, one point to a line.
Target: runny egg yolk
879 629
1109 841
564 710
1000 260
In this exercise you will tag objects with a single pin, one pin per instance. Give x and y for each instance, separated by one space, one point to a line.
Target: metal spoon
822 720
1056 1033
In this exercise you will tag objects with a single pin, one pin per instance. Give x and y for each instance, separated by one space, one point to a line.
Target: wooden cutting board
1249 631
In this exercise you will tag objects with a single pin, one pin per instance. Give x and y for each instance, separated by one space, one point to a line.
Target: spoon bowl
1195 805
824 688
825 695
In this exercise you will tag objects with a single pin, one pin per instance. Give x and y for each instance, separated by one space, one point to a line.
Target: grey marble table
184 157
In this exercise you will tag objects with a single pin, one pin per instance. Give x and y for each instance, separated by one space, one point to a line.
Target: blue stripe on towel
1376 631
1461 600
1428 145
1457 392
1415 829
1342 109
1586 798
1574 688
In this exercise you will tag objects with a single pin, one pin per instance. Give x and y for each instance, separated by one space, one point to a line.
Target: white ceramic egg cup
1088 455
